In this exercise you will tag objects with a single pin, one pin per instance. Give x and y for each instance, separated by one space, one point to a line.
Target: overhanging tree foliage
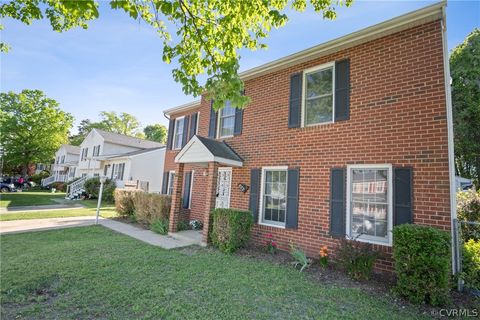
203 36
32 128
156 132
465 73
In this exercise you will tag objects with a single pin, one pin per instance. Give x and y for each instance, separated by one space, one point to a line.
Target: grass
92 272
15 199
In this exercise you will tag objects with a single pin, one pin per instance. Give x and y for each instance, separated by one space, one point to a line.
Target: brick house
350 137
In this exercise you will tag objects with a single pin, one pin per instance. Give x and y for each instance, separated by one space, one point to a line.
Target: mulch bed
378 285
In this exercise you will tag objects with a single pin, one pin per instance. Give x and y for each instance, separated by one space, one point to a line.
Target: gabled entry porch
214 161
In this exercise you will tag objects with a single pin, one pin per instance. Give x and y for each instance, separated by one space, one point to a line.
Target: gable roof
134 153
71 149
125 140
203 150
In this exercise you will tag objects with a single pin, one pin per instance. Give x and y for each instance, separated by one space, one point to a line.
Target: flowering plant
270 245
323 256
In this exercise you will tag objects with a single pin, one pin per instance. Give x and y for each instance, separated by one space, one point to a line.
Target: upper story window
318 97
96 150
369 203
226 121
178 133
63 159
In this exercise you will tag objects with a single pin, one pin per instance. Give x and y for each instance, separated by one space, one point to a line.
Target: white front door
224 181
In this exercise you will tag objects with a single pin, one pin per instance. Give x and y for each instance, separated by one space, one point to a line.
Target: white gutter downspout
451 159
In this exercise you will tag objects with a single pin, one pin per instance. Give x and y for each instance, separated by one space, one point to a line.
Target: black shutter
295 108
337 202
292 198
186 189
254 193
186 123
402 196
165 183
342 90
193 125
212 129
171 126
237 129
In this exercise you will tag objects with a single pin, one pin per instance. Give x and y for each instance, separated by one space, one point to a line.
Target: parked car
7 187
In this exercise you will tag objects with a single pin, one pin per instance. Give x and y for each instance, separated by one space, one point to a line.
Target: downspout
451 159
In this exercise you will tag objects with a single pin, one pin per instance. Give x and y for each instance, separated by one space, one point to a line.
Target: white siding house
65 165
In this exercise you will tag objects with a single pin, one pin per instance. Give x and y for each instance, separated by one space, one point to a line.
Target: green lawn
15 199
106 212
92 272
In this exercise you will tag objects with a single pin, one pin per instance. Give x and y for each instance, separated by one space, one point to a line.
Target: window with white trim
118 171
369 207
274 196
226 121
171 178
178 133
318 94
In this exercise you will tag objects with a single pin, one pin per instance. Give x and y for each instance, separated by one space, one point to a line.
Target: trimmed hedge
124 202
422 263
150 207
92 187
231 229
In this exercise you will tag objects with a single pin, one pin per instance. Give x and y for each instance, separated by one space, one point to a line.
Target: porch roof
204 150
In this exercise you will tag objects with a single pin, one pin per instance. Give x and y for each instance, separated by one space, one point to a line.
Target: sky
116 64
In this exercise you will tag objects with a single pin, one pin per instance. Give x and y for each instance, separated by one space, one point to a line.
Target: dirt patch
379 285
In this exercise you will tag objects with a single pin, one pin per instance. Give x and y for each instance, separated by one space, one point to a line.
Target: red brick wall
397 116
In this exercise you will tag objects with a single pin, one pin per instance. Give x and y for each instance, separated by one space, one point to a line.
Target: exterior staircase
54 178
75 189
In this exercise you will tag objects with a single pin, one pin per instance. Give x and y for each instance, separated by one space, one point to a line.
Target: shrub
183 225
300 258
124 202
58 186
357 258
422 263
150 207
231 229
37 178
160 226
270 245
471 264
92 187
468 209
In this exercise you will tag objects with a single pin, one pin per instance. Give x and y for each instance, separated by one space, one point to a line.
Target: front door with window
224 181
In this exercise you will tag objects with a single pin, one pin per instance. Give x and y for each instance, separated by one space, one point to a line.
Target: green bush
124 202
357 258
183 225
92 186
58 186
150 207
422 263
160 226
471 264
231 229
468 209
37 178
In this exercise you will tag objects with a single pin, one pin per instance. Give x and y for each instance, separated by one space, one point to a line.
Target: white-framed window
198 121
171 178
178 133
273 201
118 171
96 150
318 101
63 159
226 121
369 203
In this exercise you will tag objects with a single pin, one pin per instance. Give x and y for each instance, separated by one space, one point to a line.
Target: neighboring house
348 138
122 158
42 167
463 184
64 166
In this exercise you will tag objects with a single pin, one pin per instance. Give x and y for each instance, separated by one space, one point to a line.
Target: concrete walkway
175 240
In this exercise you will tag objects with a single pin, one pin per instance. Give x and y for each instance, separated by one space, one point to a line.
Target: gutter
451 157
